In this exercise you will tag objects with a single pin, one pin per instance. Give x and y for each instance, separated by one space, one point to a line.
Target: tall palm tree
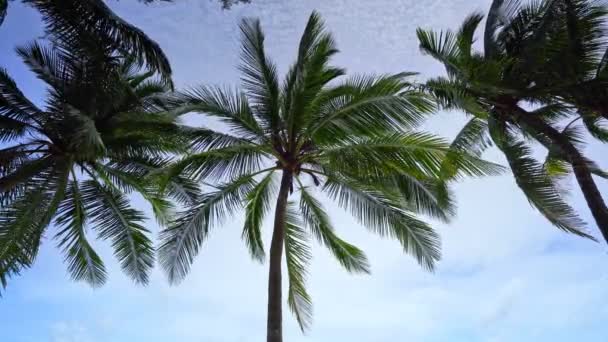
100 136
349 139
493 86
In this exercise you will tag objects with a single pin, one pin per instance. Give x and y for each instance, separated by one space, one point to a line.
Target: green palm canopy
101 134
315 133
515 72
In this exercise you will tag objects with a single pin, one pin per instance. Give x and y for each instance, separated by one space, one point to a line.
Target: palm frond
14 105
382 214
114 219
77 20
375 104
143 184
498 16
297 255
259 75
397 153
47 63
23 222
220 163
258 204
83 262
182 239
463 157
3 10
230 106
317 220
535 183
466 34
442 46
308 75
453 94
596 126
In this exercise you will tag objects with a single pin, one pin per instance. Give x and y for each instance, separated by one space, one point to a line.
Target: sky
506 274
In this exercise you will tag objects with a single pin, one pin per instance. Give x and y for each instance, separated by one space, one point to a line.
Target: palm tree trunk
583 175
274 328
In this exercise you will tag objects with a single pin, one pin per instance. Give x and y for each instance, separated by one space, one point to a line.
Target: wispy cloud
506 274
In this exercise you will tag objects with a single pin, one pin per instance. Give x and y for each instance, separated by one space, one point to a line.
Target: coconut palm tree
351 140
493 86
101 134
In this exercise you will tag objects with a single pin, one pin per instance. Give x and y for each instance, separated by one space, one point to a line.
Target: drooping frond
15 107
113 219
257 205
383 214
143 184
23 222
182 239
83 262
317 220
463 157
413 153
297 255
534 181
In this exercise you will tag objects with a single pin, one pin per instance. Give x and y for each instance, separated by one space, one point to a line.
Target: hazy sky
506 274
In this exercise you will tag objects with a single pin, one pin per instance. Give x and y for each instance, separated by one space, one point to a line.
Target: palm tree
350 139
101 135
493 86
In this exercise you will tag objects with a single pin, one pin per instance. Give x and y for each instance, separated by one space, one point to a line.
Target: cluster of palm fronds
101 134
109 127
541 72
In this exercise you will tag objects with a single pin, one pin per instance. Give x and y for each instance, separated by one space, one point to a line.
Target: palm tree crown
100 136
351 139
493 86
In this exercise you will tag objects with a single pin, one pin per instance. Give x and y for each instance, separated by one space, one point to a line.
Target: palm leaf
182 239
317 220
23 222
535 183
258 204
259 74
382 214
297 255
83 262
229 106
14 105
114 219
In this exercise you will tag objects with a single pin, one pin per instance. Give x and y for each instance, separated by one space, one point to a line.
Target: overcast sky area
506 274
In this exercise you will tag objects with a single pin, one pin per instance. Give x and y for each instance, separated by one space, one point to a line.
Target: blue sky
506 275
